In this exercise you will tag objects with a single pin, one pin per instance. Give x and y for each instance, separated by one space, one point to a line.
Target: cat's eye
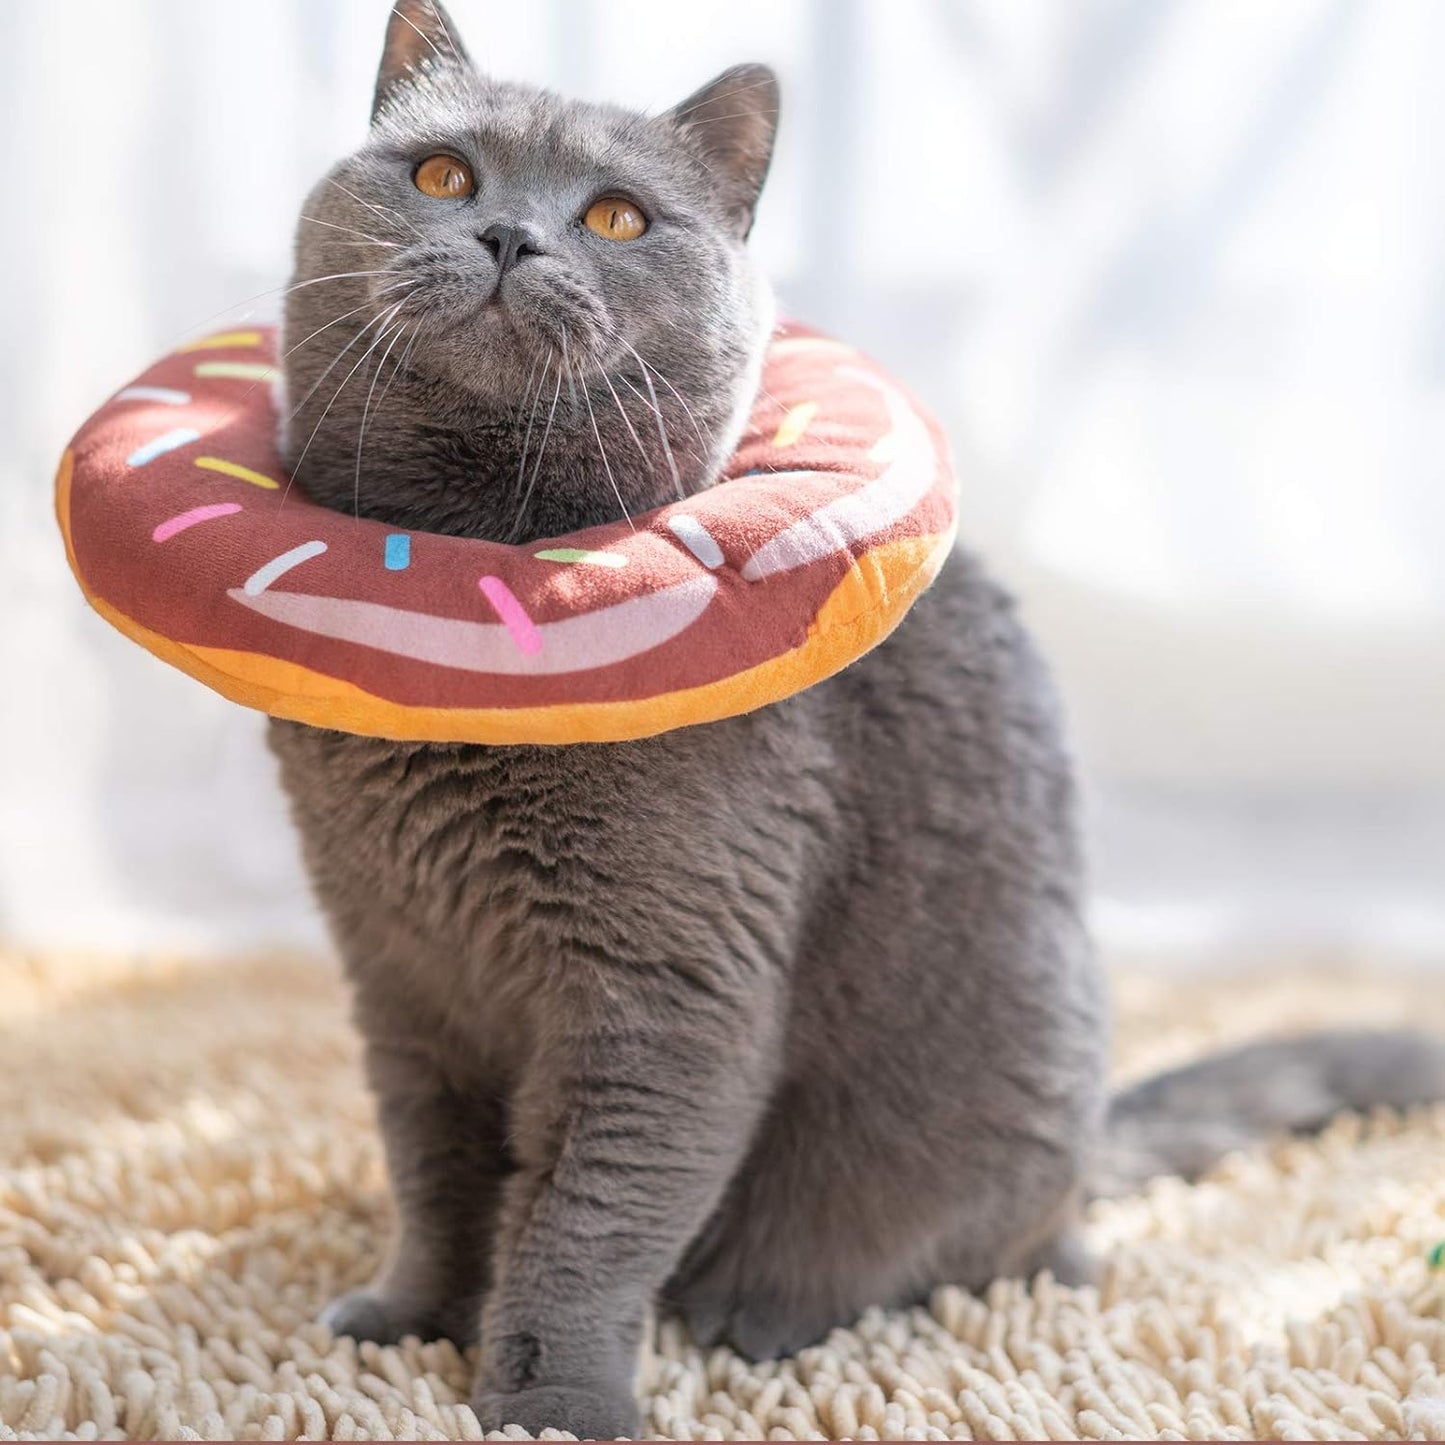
615 219
444 177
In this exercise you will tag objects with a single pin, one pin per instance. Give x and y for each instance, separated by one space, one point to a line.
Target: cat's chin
485 320
495 358
482 356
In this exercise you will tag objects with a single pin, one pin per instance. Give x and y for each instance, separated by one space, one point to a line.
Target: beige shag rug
188 1170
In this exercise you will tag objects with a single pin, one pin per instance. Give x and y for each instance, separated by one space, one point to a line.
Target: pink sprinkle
181 521
523 629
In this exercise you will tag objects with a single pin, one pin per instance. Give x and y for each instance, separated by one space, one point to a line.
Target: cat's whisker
335 319
399 365
334 360
224 311
296 410
531 416
602 452
391 217
396 334
335 276
627 422
245 396
366 237
567 366
661 430
541 451
386 320
397 285
284 289
706 441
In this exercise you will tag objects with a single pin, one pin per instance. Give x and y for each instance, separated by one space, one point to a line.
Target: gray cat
764 1021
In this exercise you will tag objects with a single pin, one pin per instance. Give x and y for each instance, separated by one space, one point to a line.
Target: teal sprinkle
1436 1257
398 551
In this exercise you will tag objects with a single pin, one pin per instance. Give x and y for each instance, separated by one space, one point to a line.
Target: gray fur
1182 1121
467 382
772 1019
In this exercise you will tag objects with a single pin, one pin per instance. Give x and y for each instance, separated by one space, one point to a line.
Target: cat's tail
1181 1122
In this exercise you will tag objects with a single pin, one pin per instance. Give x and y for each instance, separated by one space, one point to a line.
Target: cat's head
525 257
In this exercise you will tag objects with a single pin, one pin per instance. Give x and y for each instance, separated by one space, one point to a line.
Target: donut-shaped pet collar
835 512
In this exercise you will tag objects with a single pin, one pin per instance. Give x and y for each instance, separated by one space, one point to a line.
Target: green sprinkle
1436 1257
579 554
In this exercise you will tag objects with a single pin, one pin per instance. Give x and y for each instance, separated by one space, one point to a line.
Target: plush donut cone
835 512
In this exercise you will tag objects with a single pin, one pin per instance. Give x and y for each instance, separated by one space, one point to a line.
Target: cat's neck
424 457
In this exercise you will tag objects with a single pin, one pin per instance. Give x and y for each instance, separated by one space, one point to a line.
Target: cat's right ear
731 122
419 35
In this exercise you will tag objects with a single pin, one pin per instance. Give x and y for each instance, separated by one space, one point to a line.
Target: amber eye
614 219
444 177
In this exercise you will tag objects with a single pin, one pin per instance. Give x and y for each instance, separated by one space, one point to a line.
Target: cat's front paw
589 1413
366 1314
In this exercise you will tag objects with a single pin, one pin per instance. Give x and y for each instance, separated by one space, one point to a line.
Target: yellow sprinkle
244 474
795 423
240 370
223 339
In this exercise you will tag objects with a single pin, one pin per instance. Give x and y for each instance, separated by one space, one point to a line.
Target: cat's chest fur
455 877
422 862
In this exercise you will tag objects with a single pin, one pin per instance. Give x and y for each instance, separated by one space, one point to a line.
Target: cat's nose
509 244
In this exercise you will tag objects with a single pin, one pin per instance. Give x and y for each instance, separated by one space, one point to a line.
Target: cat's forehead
525 129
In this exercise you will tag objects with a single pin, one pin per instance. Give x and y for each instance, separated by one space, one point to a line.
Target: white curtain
1169 269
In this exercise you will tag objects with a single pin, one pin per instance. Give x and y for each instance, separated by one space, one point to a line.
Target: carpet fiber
188 1170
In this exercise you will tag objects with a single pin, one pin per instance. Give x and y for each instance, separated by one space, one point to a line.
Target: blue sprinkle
398 551
182 436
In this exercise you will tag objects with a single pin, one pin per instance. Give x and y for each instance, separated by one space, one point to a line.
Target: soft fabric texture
834 513
187 1171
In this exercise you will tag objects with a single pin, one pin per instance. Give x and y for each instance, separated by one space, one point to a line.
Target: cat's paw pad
366 1315
588 1413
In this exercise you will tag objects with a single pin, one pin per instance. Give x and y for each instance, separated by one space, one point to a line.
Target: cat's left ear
419 35
731 122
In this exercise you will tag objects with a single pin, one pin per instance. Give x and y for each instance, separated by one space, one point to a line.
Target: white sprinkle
166 394
263 577
697 539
